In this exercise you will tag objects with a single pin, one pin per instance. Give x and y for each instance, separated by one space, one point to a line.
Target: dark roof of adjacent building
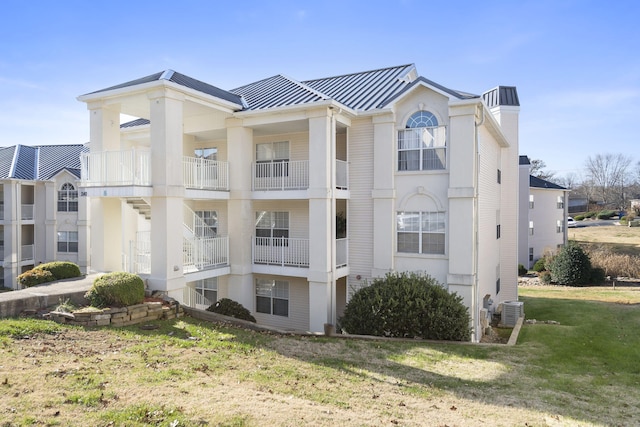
362 91
536 182
40 163
134 123
501 95
524 160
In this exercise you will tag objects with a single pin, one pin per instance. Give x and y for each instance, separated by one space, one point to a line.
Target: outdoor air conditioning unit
511 312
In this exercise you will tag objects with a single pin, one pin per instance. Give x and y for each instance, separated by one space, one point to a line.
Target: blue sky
576 64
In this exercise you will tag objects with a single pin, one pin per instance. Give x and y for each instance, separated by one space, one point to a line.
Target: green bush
35 277
571 266
522 270
597 276
590 214
61 269
545 277
407 305
540 265
606 214
229 307
579 217
117 289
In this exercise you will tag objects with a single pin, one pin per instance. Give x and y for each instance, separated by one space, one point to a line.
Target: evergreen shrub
35 277
118 289
540 265
571 266
522 270
228 307
407 305
61 269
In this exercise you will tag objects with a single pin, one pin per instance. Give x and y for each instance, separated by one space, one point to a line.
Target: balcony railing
205 174
26 252
342 250
290 175
342 175
115 168
26 212
204 253
281 251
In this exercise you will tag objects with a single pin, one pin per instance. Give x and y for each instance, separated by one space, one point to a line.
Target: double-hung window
272 159
272 228
206 225
67 241
208 288
421 232
272 297
67 198
560 202
422 145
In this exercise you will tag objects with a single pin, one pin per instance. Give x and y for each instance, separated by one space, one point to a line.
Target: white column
51 232
240 213
383 194
84 232
167 217
12 235
321 222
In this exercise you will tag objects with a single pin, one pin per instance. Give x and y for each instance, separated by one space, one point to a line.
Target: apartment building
42 216
543 208
287 196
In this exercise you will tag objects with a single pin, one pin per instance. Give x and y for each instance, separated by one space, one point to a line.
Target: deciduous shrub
229 307
35 277
117 289
522 270
540 265
597 276
61 269
571 266
407 305
545 277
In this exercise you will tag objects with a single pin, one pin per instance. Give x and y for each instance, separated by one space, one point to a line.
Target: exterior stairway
141 205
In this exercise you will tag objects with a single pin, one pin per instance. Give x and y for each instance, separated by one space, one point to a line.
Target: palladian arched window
422 145
67 198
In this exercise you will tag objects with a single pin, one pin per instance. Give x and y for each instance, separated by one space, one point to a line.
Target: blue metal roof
40 162
277 91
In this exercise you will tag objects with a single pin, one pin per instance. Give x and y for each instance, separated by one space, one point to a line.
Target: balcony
281 251
203 253
26 252
204 174
290 175
115 168
26 212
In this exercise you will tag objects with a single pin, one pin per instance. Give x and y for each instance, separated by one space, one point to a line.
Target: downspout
476 243
332 180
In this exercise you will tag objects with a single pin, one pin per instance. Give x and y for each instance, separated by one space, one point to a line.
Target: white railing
342 175
207 252
205 174
193 222
26 252
290 175
26 212
142 253
342 250
189 297
281 251
113 168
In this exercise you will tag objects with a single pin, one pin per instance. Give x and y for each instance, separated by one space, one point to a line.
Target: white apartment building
543 216
42 217
287 196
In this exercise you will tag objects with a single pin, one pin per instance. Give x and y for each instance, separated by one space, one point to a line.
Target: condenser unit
511 312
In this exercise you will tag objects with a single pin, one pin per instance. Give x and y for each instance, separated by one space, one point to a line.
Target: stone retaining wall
124 316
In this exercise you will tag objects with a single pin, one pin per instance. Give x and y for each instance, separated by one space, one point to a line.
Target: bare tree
537 167
569 181
608 173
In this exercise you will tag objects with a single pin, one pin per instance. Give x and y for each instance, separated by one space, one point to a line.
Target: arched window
67 198
422 145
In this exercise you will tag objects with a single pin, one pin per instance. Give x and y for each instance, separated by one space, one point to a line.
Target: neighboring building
43 219
243 193
543 216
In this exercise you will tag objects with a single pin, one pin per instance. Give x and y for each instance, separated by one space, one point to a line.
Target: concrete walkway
30 300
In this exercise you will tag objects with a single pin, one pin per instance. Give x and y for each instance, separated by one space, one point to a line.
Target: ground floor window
272 297
421 232
208 288
67 241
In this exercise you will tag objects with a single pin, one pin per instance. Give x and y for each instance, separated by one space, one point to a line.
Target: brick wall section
125 316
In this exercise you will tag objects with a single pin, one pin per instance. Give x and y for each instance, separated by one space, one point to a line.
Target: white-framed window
210 153
272 297
560 203
559 226
67 241
272 228
272 159
531 204
208 227
421 232
498 231
422 145
67 198
530 254
498 279
208 288
530 228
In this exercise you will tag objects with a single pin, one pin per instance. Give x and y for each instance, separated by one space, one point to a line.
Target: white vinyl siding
298 317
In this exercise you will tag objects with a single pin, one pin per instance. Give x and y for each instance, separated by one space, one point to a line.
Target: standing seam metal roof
277 91
536 182
40 162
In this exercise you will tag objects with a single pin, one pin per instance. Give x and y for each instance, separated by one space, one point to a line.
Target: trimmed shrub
571 266
407 305
117 289
607 214
540 265
61 269
545 277
579 217
228 307
35 277
590 214
597 276
522 270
